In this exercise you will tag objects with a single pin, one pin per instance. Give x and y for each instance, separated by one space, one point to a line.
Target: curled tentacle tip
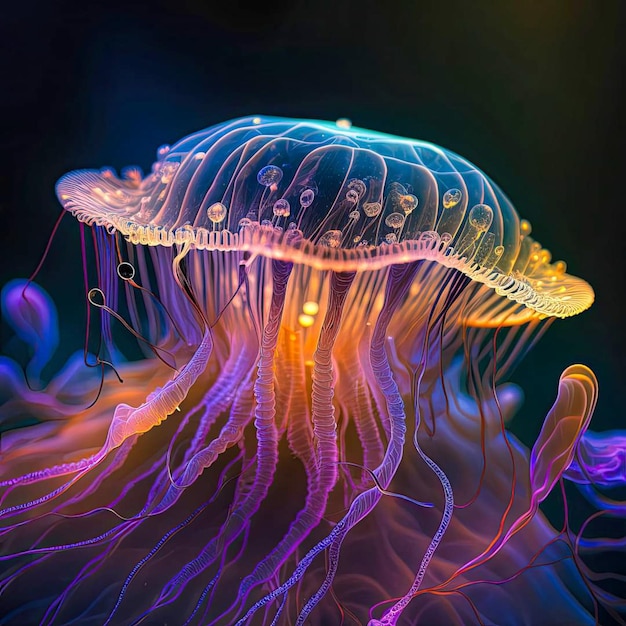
31 313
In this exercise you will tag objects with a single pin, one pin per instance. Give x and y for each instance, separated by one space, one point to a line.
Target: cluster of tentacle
288 400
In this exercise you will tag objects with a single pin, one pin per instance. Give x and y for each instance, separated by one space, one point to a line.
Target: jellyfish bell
488 241
327 313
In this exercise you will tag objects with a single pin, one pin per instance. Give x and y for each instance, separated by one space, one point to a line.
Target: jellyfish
292 405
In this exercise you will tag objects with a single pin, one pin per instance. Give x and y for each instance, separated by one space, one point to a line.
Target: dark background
531 92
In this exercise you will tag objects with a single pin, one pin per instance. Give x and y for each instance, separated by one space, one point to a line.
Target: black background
531 92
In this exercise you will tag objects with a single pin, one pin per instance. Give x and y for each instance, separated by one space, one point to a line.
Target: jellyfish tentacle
599 465
299 439
60 547
160 403
208 587
299 430
552 453
393 614
612 507
323 413
267 440
88 569
290 376
6 582
358 405
295 577
196 461
16 509
220 397
554 449
29 310
137 567
563 428
324 430
115 464
241 415
165 538
217 399
378 398
62 469
400 278
398 285
127 421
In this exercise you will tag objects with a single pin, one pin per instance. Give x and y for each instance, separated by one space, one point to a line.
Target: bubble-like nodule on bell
307 197
480 216
269 175
525 228
445 238
545 256
121 197
330 239
394 220
408 202
391 238
245 221
372 209
352 196
163 150
354 215
356 184
282 208
133 175
344 122
167 171
451 198
216 212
